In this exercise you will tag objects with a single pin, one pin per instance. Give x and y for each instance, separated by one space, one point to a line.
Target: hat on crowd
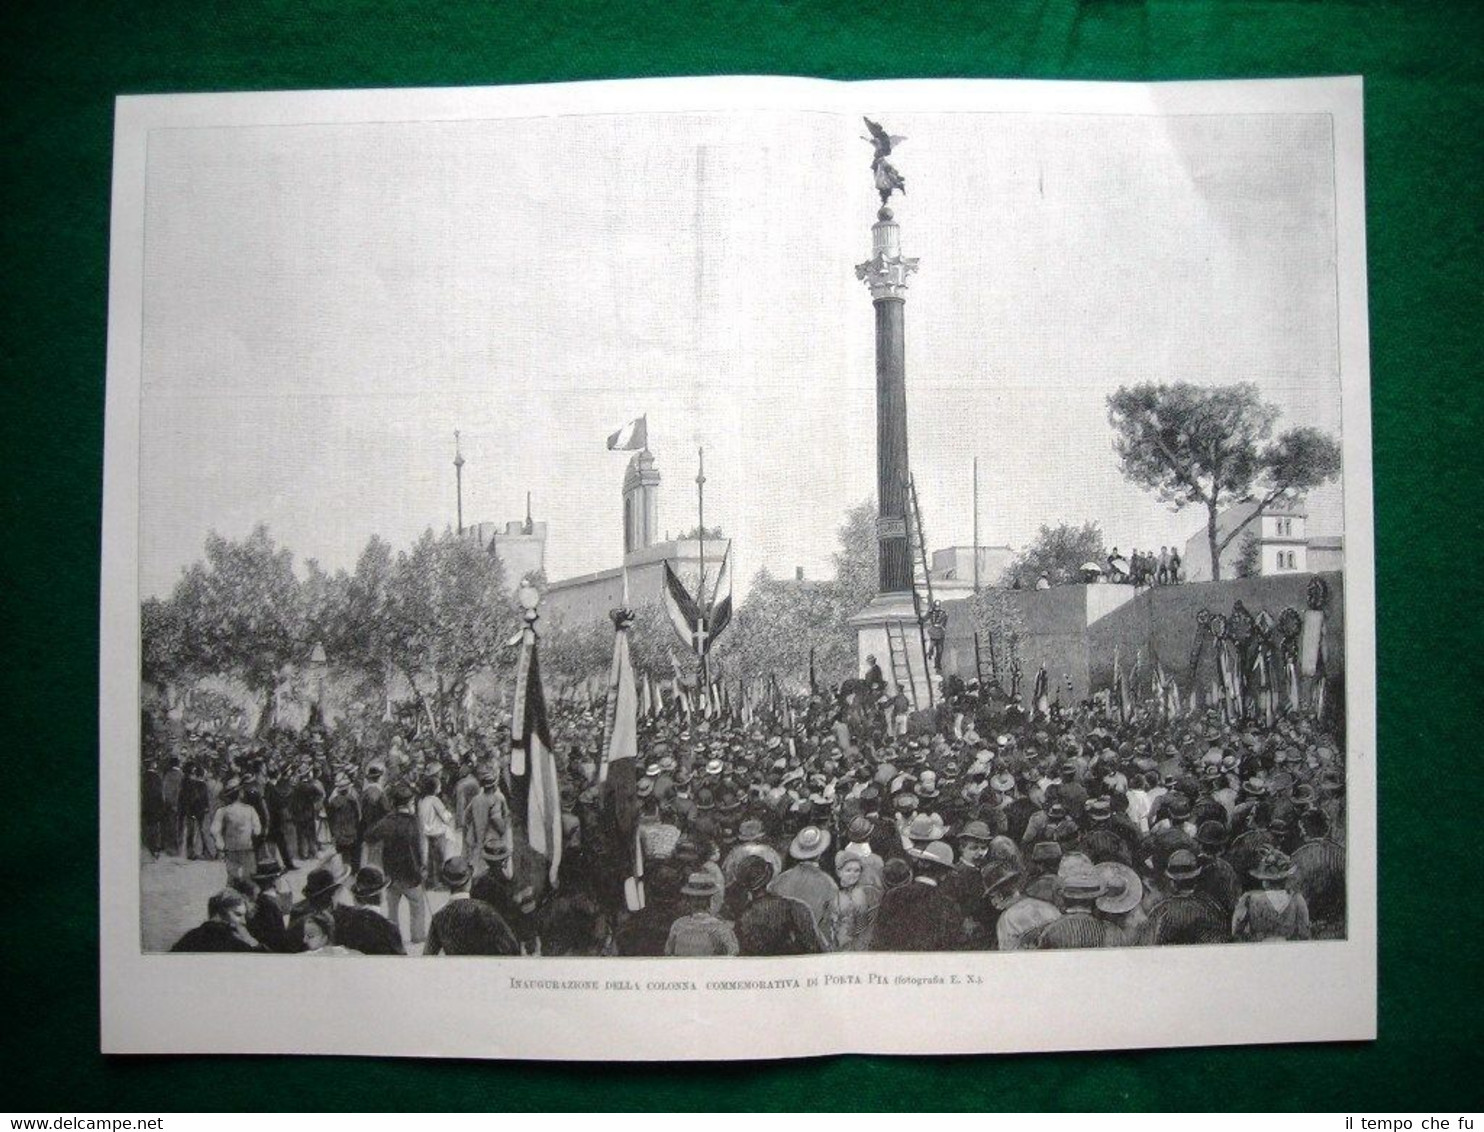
715 767
1211 834
926 827
705 799
1046 853
751 829
1182 865
1179 806
976 831
455 872
927 785
495 850
998 875
1098 809
1083 885
1004 782
1122 888
754 873
401 794
939 854
1272 865
323 880
809 843
370 881
861 828
700 884
267 869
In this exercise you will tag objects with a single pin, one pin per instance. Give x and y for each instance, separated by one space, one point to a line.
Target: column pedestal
870 626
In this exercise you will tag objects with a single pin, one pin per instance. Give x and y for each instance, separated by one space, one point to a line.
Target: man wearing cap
697 932
268 914
361 926
1218 879
805 881
374 804
753 844
343 811
921 915
236 828
485 811
1021 916
464 926
398 841
1079 924
1185 916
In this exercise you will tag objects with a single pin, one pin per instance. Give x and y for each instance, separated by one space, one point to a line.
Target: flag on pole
646 705
684 613
533 768
633 437
618 773
719 612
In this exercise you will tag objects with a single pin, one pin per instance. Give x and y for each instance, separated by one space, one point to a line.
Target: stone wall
1076 631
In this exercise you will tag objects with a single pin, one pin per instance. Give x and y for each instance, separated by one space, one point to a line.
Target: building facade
1277 541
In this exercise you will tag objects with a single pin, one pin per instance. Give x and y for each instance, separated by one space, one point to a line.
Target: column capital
886 276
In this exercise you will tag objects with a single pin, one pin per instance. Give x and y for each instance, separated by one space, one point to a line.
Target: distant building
1281 543
520 546
952 569
1326 552
589 597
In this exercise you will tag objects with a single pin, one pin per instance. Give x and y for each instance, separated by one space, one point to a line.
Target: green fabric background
63 61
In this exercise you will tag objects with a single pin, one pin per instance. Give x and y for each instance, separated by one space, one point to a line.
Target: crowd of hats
835 770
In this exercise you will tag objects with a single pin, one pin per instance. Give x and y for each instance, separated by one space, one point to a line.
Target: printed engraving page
738 568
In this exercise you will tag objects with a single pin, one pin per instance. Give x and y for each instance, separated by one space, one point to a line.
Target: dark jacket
213 935
403 851
776 925
470 927
366 930
266 922
918 917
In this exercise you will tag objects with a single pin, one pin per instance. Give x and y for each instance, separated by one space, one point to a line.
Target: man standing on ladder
937 631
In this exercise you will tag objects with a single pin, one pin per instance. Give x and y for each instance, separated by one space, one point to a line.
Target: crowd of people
821 824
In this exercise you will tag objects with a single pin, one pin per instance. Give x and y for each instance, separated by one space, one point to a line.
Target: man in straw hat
807 882
1079 925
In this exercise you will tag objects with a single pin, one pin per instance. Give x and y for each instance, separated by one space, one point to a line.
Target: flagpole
701 641
976 526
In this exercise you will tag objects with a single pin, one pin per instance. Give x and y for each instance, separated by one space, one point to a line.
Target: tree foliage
243 611
1059 553
1212 447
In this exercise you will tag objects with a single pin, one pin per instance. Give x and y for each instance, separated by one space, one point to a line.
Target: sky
325 305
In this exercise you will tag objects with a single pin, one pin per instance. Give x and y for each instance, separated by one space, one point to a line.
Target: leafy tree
243 613
709 533
1214 446
164 662
449 617
1249 557
1059 553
